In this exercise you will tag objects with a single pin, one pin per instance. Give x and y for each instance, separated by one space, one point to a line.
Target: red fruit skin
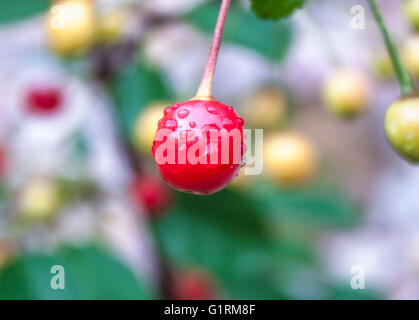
199 178
193 285
151 194
43 100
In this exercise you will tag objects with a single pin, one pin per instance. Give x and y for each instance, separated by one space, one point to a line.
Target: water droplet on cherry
212 110
171 124
183 113
167 110
227 123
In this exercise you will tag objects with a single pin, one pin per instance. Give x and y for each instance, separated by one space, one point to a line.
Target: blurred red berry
43 100
193 285
189 119
151 193
2 161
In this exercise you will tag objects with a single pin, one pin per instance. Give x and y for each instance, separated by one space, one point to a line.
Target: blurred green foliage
11 10
236 236
134 87
259 243
268 38
274 9
90 273
318 205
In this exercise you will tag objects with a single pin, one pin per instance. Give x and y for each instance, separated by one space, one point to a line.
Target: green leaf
225 235
135 87
275 9
12 10
316 206
90 273
231 235
342 291
269 38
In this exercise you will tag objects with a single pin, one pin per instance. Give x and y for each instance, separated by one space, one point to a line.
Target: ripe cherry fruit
208 116
402 127
43 100
150 193
192 284
190 128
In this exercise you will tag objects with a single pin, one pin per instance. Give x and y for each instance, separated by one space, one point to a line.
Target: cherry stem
205 88
403 77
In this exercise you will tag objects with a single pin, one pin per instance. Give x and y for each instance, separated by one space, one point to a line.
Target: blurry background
79 188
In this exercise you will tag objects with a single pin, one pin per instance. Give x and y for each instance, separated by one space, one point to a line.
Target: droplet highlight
183 113
212 110
171 124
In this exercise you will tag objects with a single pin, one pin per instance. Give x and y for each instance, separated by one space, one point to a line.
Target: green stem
405 82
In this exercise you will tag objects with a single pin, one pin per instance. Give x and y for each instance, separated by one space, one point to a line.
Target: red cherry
193 285
43 100
188 122
150 193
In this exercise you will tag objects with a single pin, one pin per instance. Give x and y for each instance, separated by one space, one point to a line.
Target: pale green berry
402 127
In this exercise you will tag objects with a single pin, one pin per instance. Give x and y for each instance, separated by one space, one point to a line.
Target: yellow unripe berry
71 26
346 93
383 67
111 25
39 200
289 158
412 12
146 126
410 55
265 109
402 127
